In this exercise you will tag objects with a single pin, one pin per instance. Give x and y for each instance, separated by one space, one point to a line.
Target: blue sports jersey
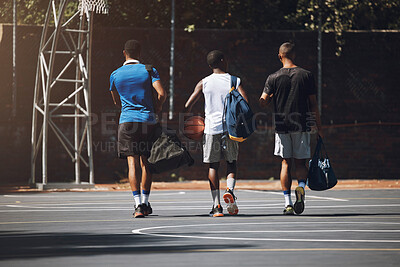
132 83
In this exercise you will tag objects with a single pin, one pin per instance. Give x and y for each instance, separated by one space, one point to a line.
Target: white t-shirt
215 89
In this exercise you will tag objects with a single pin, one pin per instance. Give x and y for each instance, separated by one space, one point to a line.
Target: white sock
230 183
137 200
288 199
146 199
216 197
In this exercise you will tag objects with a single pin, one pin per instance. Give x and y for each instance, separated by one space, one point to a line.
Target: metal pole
89 138
35 140
14 83
46 97
320 57
77 98
171 68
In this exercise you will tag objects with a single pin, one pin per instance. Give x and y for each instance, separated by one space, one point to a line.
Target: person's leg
134 177
212 156
283 149
286 179
134 180
146 179
286 183
301 152
214 182
301 173
230 151
301 170
230 175
146 134
229 197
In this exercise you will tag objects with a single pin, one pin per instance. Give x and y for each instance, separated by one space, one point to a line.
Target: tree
339 16
30 12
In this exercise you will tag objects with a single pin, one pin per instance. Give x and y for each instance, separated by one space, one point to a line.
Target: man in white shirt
216 142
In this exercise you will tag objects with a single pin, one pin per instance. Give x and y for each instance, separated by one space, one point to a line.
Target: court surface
338 228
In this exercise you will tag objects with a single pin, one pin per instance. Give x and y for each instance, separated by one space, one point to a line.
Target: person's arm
194 97
243 93
161 96
268 93
116 99
265 99
114 93
314 109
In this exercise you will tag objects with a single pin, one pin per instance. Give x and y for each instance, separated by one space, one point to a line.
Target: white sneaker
230 201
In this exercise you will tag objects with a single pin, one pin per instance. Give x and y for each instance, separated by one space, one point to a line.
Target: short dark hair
214 58
287 50
132 48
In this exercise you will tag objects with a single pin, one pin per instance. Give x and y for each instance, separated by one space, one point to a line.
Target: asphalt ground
338 228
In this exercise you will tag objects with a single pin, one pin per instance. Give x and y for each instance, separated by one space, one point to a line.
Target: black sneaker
138 212
299 204
230 201
288 210
216 211
147 210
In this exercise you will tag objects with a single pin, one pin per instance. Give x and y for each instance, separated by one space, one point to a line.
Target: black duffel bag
320 173
167 152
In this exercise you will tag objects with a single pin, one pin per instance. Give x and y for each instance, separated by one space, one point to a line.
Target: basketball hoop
98 6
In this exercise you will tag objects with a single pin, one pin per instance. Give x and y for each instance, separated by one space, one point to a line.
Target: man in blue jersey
140 95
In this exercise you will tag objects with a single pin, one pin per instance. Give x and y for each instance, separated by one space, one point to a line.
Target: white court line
98 196
307 196
64 210
141 232
303 231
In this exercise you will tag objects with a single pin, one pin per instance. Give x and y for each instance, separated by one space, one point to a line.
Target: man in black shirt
292 90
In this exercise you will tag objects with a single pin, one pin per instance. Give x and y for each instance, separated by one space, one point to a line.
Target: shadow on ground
22 245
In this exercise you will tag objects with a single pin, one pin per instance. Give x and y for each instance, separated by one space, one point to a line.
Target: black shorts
135 138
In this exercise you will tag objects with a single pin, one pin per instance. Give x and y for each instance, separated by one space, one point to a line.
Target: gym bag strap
233 87
149 69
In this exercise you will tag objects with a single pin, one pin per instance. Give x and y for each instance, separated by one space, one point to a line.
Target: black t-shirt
290 88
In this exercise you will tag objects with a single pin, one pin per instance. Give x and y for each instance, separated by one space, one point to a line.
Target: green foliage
30 12
216 14
339 16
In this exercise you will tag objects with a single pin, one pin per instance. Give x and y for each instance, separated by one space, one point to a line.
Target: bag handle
233 83
322 146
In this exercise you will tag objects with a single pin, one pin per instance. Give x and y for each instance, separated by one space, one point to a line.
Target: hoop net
98 6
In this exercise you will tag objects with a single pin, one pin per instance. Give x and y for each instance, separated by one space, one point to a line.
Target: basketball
194 128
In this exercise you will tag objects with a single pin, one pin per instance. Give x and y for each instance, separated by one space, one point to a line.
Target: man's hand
265 99
194 97
315 130
160 95
116 99
314 108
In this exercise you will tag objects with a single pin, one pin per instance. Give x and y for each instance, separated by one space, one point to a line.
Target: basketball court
95 228
338 227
